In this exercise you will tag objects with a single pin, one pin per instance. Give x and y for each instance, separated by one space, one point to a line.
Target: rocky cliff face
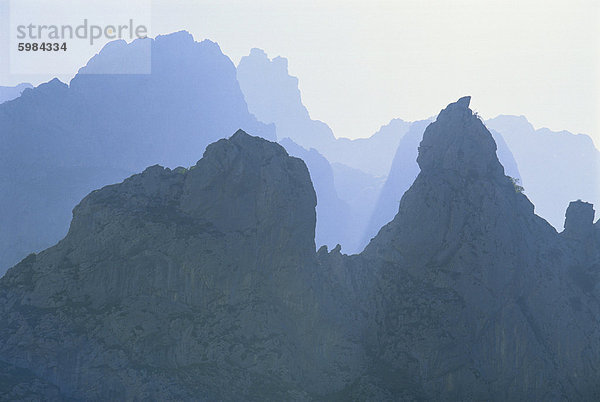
579 221
204 284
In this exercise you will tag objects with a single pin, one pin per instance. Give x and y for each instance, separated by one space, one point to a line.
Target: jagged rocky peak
251 182
460 173
579 219
458 141
223 252
241 184
468 260
246 201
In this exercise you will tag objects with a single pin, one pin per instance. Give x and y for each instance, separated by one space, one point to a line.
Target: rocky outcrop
579 220
204 284
581 239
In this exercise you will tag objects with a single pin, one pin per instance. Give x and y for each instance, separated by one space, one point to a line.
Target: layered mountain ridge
553 167
556 167
274 96
101 128
10 93
204 284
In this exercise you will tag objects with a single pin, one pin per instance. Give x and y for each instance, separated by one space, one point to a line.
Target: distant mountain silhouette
556 167
334 224
360 191
345 199
372 155
273 96
10 93
403 173
102 127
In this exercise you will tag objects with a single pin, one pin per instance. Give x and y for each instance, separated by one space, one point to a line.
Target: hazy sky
362 63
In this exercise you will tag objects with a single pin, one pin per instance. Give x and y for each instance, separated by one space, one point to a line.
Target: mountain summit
458 142
460 173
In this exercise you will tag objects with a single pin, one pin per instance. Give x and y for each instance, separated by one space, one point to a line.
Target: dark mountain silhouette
10 93
476 294
103 127
404 171
204 284
196 284
556 167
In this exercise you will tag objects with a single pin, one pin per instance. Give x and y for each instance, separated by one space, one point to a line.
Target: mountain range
204 284
274 97
553 167
101 128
